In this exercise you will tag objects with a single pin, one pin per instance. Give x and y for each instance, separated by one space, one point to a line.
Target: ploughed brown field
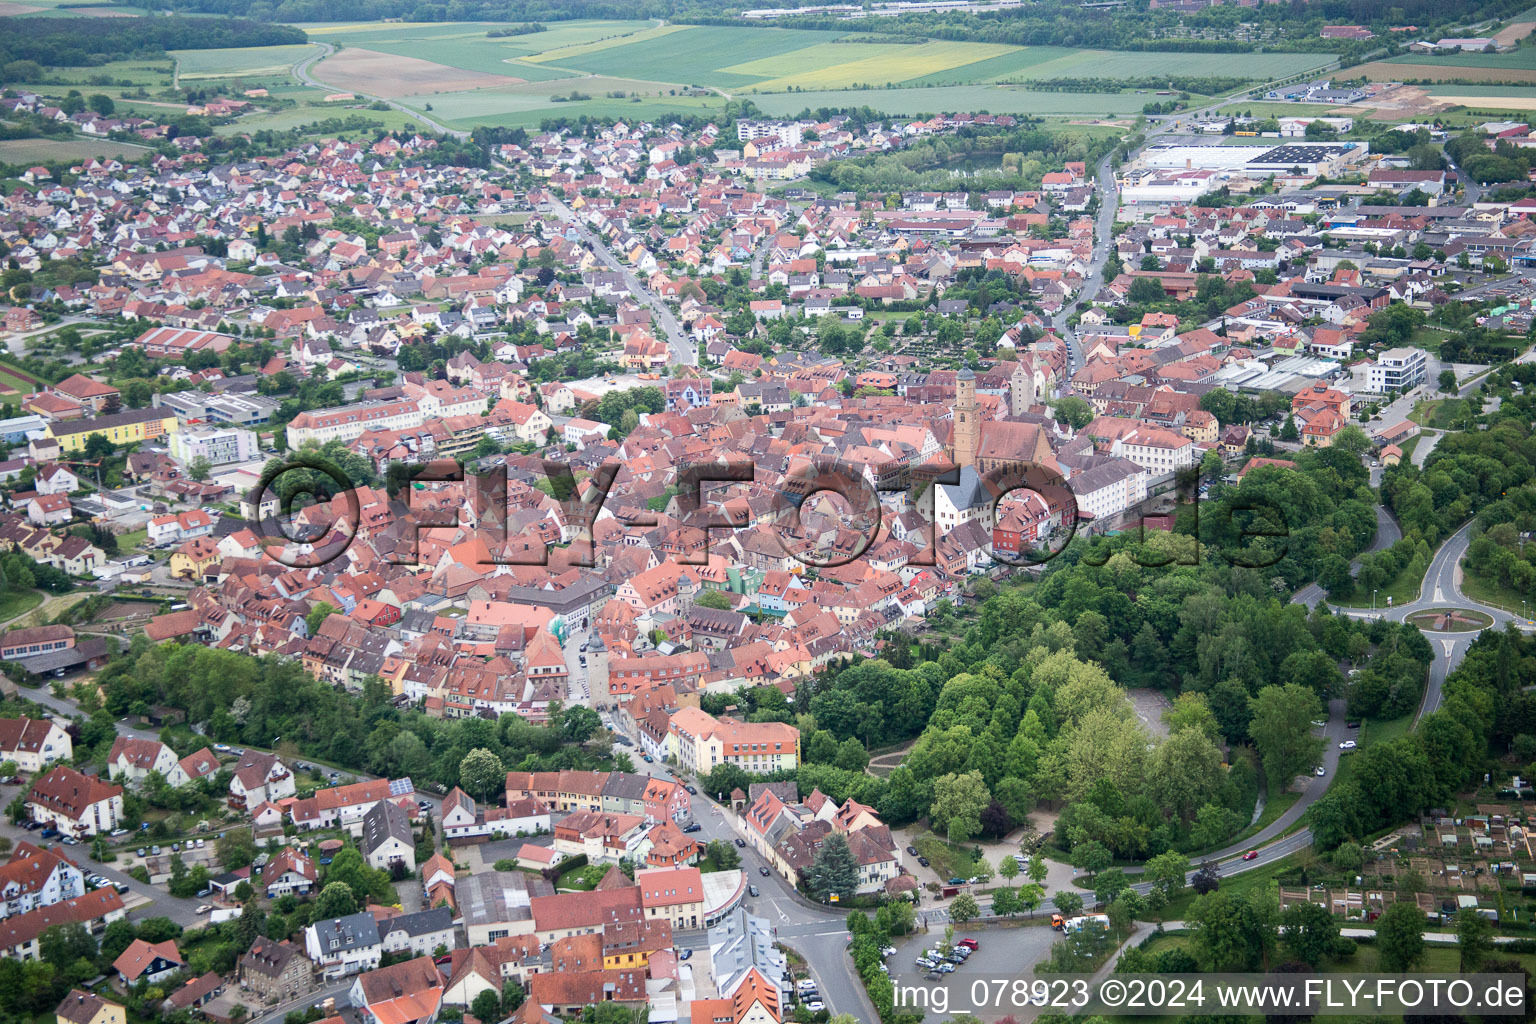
385 74
1381 71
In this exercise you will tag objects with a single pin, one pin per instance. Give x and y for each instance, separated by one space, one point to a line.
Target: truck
1077 924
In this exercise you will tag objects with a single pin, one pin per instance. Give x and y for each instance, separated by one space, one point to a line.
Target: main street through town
683 351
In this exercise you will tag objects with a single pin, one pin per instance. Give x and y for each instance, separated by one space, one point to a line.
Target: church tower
967 422
1021 388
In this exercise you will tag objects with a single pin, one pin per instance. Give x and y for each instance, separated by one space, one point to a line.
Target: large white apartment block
1157 450
1397 369
219 447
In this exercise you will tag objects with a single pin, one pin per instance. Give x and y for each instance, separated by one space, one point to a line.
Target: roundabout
1450 620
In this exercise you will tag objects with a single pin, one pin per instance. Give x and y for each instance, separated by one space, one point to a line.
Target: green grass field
989 99
18 602
697 55
240 62
1522 59
1490 92
21 151
1036 62
528 112
1489 592
297 117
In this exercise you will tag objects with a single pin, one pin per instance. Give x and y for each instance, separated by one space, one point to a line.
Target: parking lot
1003 954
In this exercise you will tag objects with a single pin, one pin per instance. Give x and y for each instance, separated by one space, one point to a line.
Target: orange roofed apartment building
699 742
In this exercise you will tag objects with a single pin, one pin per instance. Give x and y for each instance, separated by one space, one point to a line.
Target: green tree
481 773
964 908
722 855
958 800
486 1006
1074 412
1008 868
1309 933
318 614
1167 872
1281 728
1400 936
1447 380
713 599
1474 939
1068 903
834 869
335 900
200 469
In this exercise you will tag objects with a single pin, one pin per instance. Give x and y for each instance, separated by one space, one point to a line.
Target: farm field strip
1388 71
990 98
481 55
554 55
375 73
1521 59
529 116
241 62
18 151
465 109
692 55
841 65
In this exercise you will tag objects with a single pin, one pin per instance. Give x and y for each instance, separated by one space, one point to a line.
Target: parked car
741 843
970 944
684 954
50 832
691 791
763 871
912 850
752 891
692 826
957 880
815 1006
119 832
923 861
1320 771
205 909
1347 745
647 758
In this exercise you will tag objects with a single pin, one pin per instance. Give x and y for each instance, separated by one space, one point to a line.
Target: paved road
301 71
683 349
335 989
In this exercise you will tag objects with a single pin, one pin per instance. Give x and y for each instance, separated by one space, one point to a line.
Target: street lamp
1373 600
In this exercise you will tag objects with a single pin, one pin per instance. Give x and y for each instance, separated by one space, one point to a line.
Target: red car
1250 855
